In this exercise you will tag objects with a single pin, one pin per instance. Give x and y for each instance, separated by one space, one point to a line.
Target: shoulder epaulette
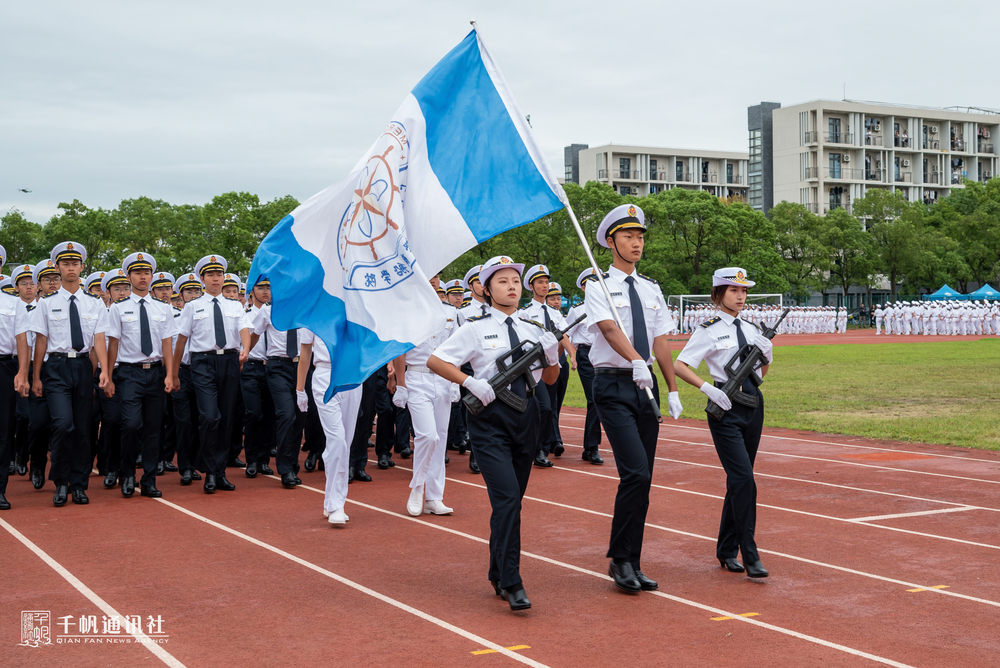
46 296
123 299
232 300
651 280
606 275
478 317
537 324
162 301
29 307
89 294
709 323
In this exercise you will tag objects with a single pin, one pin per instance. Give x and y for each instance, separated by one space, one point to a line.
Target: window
653 176
624 190
835 166
834 126
680 170
755 170
729 173
625 167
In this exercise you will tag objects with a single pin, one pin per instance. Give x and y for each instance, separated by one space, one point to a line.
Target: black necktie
145 340
75 330
548 320
640 340
742 341
292 344
220 325
484 309
519 386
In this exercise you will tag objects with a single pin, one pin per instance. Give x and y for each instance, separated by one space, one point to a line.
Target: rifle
752 358
509 371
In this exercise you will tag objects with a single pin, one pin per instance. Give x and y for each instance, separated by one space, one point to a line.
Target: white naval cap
731 276
189 280
626 216
231 279
6 285
588 274
139 261
495 264
471 275
211 263
537 271
21 271
95 277
3 256
114 277
44 268
68 250
162 278
554 289
454 287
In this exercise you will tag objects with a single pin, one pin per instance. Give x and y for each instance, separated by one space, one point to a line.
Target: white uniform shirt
197 322
536 311
716 343
51 319
485 338
418 355
124 325
654 312
581 335
259 351
186 358
23 323
471 311
13 316
277 340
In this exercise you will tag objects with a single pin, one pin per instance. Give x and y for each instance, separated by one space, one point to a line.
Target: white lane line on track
358 587
921 513
785 555
791 510
694 604
105 607
814 482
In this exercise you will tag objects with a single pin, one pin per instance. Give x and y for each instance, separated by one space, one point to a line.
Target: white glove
551 347
481 388
455 395
765 347
302 400
717 395
400 397
674 405
641 375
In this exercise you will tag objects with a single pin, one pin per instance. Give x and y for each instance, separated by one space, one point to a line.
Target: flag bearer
140 330
622 366
583 339
218 330
504 440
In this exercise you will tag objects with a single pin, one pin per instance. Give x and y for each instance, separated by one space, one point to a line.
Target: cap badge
139 256
505 260
631 211
69 246
211 259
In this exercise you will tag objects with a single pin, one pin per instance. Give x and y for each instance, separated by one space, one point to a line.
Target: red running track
880 553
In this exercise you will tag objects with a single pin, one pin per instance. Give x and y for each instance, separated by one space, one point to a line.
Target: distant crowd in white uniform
800 319
947 318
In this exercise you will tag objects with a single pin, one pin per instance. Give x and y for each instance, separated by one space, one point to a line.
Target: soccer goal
685 303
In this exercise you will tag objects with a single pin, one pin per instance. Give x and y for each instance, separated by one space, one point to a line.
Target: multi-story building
827 154
571 159
761 172
645 170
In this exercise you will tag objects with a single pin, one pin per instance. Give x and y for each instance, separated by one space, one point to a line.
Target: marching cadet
622 366
162 289
24 287
283 352
554 301
454 290
68 324
477 306
737 434
11 315
46 277
177 300
93 284
219 333
258 408
504 440
106 419
231 286
338 417
583 339
466 299
7 285
879 314
184 400
140 330
428 397
537 283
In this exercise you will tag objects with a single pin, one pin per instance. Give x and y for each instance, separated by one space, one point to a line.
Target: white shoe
416 501
437 508
326 513
338 517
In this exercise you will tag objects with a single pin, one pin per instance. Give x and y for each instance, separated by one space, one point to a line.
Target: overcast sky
102 100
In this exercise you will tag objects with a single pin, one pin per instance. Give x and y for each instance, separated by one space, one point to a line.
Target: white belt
418 369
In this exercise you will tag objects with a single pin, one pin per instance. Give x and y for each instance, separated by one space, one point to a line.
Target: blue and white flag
456 165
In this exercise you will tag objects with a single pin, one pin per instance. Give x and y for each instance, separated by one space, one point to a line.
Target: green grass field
946 393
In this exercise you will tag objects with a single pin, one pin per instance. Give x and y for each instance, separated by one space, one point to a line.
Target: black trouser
363 427
236 426
8 369
543 397
504 443
69 392
141 392
98 449
404 424
109 443
557 392
216 381
258 412
385 432
630 422
168 434
186 418
315 437
21 429
282 374
592 425
39 432
736 438
455 430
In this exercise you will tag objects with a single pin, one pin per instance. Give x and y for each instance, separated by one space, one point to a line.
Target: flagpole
604 288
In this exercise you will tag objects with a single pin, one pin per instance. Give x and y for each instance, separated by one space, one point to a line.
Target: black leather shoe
350 474
160 468
473 466
384 462
452 446
542 461
496 586
59 498
80 499
222 483
209 483
4 503
20 469
150 491
517 599
128 487
756 570
169 467
320 466
311 462
138 460
644 582
586 455
186 478
731 565
237 463
447 459
288 480
405 454
559 449
274 452
595 457
362 475
111 479
10 468
298 480
265 469
251 471
624 577
195 475
38 478
463 447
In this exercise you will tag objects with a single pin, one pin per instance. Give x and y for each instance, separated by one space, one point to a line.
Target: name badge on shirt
491 342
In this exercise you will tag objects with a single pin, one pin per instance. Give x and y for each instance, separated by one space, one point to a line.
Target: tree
852 250
895 226
798 233
22 239
96 229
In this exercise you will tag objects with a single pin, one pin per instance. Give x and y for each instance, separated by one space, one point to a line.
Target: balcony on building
812 206
844 204
932 178
873 138
709 178
812 173
903 177
838 138
810 137
734 178
874 174
932 144
984 147
902 140
843 174
958 144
